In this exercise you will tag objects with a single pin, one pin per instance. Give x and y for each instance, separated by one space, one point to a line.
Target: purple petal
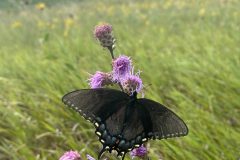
102 30
70 155
100 79
139 152
121 67
104 34
132 83
90 157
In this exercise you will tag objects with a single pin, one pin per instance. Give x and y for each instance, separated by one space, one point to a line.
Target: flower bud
104 34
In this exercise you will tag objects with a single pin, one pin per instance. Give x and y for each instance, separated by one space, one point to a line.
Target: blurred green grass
188 51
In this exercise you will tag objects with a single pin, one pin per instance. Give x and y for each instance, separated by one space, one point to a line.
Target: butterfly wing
105 108
163 122
95 104
124 129
146 119
126 124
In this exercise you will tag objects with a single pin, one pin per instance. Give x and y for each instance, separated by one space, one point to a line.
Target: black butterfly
124 122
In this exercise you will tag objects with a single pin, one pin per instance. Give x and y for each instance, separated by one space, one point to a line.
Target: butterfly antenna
146 86
101 152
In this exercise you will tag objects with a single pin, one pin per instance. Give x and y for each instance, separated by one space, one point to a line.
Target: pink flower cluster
120 74
140 152
74 155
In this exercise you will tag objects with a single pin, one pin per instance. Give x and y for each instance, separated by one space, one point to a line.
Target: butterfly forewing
92 103
165 123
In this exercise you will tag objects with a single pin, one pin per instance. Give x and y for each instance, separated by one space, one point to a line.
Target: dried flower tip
71 155
104 34
131 84
90 157
139 152
121 68
100 79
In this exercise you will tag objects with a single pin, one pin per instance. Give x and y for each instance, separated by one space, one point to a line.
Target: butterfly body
124 122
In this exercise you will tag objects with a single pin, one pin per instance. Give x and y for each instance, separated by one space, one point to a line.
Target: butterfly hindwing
122 131
128 126
165 123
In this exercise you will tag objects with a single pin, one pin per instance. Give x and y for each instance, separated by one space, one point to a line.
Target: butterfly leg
101 152
123 156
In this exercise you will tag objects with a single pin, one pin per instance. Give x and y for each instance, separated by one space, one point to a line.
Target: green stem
111 51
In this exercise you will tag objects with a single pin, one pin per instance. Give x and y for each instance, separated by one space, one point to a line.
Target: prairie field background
188 52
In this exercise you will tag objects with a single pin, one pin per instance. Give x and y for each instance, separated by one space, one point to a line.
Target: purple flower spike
121 68
71 155
140 152
131 84
90 157
104 34
100 79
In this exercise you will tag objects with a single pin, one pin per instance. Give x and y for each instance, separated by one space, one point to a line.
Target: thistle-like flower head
71 155
121 67
100 79
103 33
132 83
140 152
